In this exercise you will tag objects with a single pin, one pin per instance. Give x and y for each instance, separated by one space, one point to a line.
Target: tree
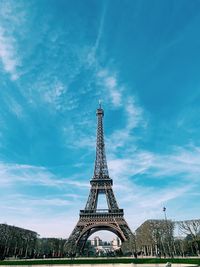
155 237
191 228
50 247
17 242
129 246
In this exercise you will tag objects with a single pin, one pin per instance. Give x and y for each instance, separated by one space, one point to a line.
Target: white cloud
118 94
8 54
182 161
16 173
156 199
134 114
180 169
37 215
140 202
79 184
12 22
53 93
31 203
12 174
91 58
108 81
14 106
137 163
23 209
116 97
120 138
143 202
115 94
59 226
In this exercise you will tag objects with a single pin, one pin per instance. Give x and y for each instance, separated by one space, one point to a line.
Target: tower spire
99 103
100 168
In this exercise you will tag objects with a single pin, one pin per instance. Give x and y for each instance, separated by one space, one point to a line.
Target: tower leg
87 226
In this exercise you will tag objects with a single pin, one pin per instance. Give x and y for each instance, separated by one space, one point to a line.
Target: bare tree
155 237
50 247
17 242
191 228
129 246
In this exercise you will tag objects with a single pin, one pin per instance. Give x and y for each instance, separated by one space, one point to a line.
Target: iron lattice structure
92 219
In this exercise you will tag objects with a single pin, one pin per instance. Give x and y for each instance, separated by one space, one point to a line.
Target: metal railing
102 211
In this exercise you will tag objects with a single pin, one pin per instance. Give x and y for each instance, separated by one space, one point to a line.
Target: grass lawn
195 261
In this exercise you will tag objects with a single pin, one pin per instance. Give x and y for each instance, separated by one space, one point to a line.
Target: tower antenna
100 103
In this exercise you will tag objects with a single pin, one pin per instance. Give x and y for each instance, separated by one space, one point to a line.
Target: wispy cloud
12 174
12 17
79 184
22 209
142 202
14 106
156 199
36 214
91 57
108 81
120 138
135 163
183 161
180 168
54 93
59 226
8 54
33 202
17 173
134 114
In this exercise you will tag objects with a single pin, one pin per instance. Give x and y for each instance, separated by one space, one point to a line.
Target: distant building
103 247
116 243
96 242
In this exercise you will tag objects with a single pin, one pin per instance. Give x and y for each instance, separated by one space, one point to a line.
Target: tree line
164 238
22 243
158 238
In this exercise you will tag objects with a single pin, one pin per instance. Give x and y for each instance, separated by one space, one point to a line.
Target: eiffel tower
92 219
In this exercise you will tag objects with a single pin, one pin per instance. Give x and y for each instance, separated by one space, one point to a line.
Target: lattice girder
87 225
101 187
92 219
101 168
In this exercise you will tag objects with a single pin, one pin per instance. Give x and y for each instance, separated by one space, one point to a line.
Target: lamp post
164 210
168 231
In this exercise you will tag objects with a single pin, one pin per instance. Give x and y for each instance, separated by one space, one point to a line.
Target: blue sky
57 59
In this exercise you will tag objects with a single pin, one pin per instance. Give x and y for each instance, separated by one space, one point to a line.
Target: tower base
93 221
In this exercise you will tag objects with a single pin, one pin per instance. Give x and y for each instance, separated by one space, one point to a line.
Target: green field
195 261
